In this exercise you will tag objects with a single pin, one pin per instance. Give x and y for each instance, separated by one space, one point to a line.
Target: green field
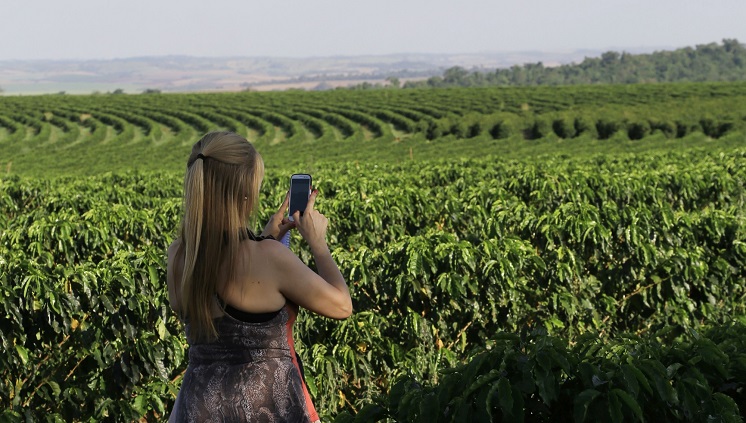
53 135
514 254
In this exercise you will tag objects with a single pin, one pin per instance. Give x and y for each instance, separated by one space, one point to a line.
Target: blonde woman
238 294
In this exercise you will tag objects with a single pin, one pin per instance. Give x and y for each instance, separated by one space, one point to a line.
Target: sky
110 29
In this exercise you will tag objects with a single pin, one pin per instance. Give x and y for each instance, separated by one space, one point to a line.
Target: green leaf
461 410
55 388
655 371
630 380
560 359
726 408
159 406
615 409
311 385
547 384
139 404
153 274
370 413
429 408
582 402
481 381
23 353
672 369
161 328
396 394
505 394
629 401
633 375
344 417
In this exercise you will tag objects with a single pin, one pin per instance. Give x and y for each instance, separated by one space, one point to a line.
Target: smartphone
300 190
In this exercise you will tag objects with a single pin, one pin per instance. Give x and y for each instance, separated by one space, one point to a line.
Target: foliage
445 240
602 246
707 62
537 378
65 135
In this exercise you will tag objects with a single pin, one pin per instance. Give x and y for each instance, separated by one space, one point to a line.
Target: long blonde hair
221 190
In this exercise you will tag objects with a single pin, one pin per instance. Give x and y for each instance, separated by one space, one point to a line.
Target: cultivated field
532 254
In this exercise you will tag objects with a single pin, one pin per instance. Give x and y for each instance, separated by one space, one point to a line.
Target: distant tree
707 62
363 86
535 73
151 91
518 75
393 82
609 58
323 86
435 81
118 91
455 75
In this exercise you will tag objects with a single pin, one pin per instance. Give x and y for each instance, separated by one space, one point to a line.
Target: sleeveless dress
251 373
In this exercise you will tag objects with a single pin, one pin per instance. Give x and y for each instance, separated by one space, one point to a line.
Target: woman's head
224 173
221 190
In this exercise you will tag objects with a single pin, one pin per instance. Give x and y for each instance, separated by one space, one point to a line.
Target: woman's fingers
311 224
278 225
285 204
311 200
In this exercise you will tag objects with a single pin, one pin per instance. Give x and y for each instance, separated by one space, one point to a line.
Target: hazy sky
105 29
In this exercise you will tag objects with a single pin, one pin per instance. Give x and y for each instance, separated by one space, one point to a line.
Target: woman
238 293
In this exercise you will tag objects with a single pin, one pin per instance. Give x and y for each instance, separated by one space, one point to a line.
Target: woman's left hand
278 224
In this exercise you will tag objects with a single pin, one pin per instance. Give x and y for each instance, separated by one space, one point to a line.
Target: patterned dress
249 374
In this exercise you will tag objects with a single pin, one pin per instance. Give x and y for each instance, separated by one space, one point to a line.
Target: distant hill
708 62
183 73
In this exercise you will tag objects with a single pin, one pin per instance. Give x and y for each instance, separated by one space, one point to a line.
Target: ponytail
221 187
195 292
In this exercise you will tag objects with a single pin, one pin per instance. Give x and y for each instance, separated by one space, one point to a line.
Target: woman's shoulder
261 246
270 253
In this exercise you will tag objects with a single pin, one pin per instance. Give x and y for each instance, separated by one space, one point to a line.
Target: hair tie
201 156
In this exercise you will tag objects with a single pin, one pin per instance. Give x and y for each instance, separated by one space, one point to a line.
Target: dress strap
245 316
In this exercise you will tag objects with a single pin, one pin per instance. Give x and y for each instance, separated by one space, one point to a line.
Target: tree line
707 62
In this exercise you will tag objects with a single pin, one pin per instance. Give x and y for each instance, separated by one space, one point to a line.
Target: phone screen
300 189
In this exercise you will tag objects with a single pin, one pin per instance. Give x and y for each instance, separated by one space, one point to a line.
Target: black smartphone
300 190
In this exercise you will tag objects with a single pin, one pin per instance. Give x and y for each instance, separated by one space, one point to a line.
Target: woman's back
240 368
250 373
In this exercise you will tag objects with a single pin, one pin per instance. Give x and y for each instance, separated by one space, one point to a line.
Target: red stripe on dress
310 409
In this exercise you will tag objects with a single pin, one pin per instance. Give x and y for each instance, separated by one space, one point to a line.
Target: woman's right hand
278 224
312 225
323 291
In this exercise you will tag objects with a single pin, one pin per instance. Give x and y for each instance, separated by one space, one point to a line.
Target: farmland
537 254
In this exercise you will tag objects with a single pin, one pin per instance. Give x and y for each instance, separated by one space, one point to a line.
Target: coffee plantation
514 254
